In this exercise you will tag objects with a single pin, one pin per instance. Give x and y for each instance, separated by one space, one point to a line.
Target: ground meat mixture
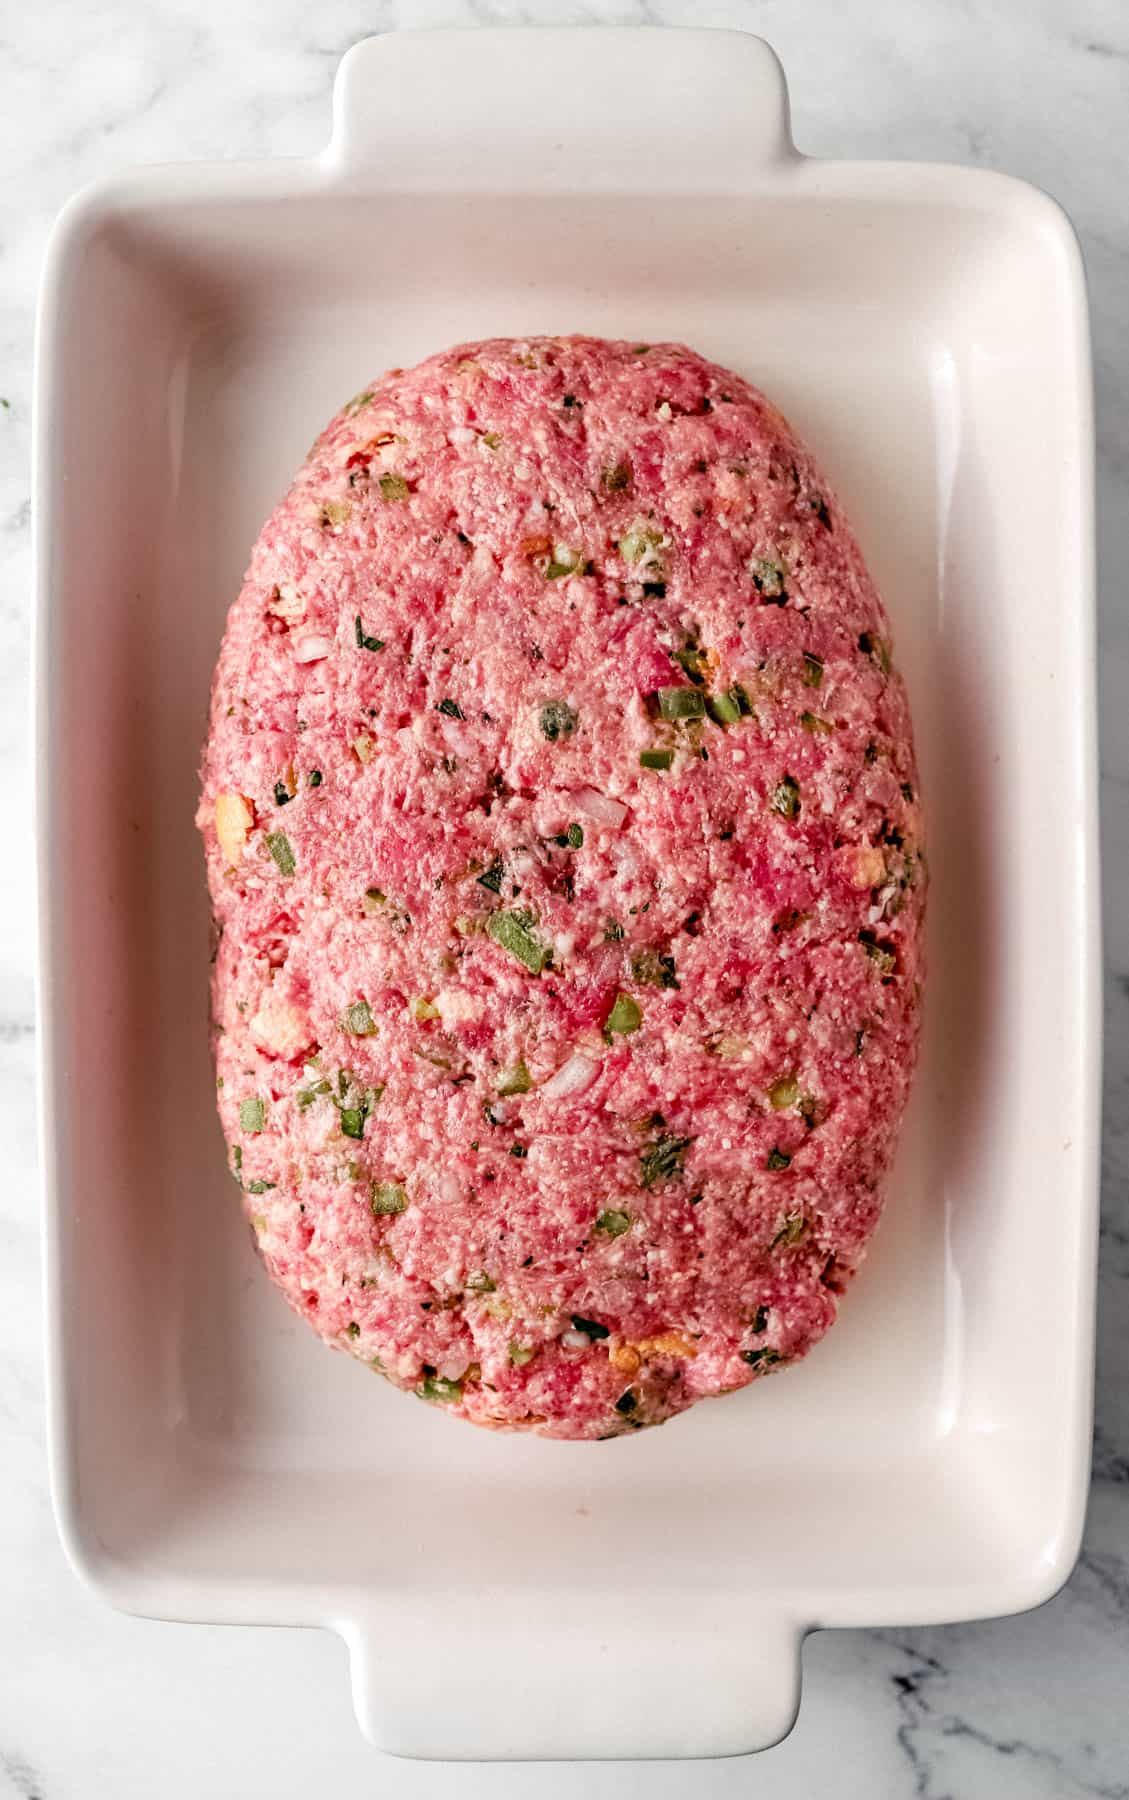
563 837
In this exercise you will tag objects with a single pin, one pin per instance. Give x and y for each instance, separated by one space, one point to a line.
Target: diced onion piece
449 1189
280 1027
572 1078
312 649
234 819
600 807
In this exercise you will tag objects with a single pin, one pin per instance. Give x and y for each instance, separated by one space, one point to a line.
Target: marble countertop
96 1704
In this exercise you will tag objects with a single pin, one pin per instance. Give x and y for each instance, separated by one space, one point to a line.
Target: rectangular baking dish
925 328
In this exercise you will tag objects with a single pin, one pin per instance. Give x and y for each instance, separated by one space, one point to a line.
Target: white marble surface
93 1704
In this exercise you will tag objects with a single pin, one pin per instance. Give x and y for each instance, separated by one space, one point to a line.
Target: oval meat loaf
562 831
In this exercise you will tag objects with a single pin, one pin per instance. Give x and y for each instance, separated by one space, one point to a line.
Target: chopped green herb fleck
491 439
358 1020
353 1117
877 649
693 661
653 969
237 1156
306 1096
768 577
656 759
817 726
663 1160
589 1326
564 561
676 703
479 1282
884 959
279 846
521 1151
724 709
422 1009
791 1231
777 1159
252 1115
520 1354
439 1389
760 1323
514 1081
625 1017
813 670
613 932
784 1093
450 709
511 931
613 1223
575 835
387 1197
393 487
315 777
364 642
637 543
786 798
260 1187
558 719
282 794
491 878
764 1357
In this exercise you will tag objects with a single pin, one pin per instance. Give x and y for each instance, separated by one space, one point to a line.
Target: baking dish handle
595 109
494 1676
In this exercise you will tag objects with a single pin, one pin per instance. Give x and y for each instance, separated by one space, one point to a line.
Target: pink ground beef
562 830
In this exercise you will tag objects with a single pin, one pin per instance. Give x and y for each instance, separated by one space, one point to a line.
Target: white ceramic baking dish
926 329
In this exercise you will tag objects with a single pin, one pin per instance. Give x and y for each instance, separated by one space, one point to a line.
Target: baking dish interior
914 1465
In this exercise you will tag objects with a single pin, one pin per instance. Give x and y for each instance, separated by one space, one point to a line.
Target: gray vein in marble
1093 48
1109 1464
927 1724
1111 1575
20 1776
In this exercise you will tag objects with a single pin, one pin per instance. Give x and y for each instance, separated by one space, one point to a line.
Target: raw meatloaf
562 830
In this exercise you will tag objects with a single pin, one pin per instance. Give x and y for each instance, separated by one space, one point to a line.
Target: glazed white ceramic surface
925 328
